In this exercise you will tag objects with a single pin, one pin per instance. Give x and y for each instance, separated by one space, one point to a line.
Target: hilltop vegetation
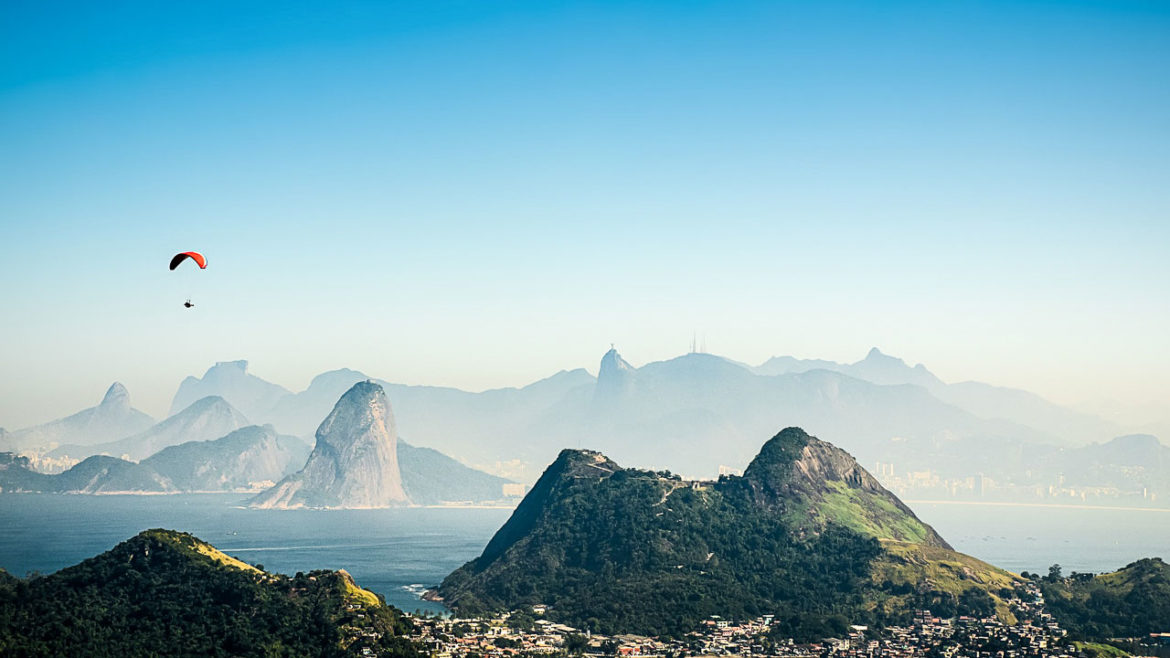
1131 602
165 593
626 550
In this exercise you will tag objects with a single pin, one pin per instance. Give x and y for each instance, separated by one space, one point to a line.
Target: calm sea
394 552
397 552
1033 537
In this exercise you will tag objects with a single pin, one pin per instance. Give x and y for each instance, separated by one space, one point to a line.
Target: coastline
975 503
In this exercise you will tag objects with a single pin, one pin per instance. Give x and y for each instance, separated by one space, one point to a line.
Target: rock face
113 418
239 460
430 478
615 377
794 466
354 463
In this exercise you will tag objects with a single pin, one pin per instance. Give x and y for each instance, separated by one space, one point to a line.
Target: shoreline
247 493
975 503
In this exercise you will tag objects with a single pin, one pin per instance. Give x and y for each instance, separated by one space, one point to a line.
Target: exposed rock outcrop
354 463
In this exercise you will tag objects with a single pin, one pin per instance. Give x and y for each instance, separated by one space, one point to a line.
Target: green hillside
1131 602
798 536
165 593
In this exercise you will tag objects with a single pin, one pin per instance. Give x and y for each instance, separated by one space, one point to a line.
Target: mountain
429 477
805 534
300 413
113 418
206 419
614 377
240 460
1134 461
1131 602
982 400
231 381
702 411
503 431
166 593
355 460
94 475
696 412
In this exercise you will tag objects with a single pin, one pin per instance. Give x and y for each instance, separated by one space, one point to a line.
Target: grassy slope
868 514
947 571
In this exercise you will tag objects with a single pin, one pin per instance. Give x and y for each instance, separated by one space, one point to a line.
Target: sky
480 194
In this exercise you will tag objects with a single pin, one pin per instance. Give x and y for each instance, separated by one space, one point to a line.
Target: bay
1021 537
398 552
394 552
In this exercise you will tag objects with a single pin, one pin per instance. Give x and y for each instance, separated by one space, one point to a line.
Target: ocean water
394 552
1033 537
398 552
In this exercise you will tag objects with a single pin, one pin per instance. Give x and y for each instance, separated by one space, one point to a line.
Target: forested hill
1131 602
165 593
806 534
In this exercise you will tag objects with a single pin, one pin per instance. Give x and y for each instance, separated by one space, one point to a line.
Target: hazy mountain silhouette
113 418
206 419
231 381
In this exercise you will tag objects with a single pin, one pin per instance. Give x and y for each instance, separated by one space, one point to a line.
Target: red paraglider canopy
193 255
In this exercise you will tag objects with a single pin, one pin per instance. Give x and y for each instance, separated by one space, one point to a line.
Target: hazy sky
479 194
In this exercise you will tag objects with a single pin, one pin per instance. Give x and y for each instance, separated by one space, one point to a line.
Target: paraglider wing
193 255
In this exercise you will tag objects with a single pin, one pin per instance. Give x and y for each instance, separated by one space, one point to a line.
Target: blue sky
480 194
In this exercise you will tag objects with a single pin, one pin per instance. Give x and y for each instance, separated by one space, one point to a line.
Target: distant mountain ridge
233 462
700 410
113 418
984 400
231 381
805 534
204 420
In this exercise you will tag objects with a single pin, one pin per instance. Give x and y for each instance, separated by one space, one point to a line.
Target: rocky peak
795 470
794 458
116 397
615 375
239 364
355 460
231 380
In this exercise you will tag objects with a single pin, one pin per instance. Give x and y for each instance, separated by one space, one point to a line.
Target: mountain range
209 446
205 419
243 459
698 411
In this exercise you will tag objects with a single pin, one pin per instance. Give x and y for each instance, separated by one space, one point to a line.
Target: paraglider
193 255
188 255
